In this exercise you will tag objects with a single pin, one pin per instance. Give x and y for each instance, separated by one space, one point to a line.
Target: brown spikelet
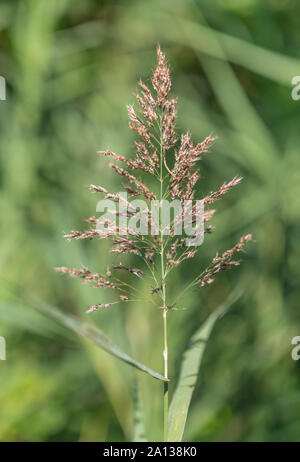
161 80
86 276
124 298
186 158
148 98
128 163
222 263
144 160
168 124
208 214
137 272
222 190
147 110
96 307
132 179
100 189
81 235
138 126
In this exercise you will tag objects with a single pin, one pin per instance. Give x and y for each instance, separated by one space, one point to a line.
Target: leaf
12 312
93 334
117 390
190 366
138 427
263 61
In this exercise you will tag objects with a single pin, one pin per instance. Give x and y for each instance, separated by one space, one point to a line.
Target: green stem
163 285
165 350
166 385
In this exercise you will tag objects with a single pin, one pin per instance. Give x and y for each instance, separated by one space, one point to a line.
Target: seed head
160 154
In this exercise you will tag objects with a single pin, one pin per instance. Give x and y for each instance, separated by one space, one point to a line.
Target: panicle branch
222 263
87 276
223 190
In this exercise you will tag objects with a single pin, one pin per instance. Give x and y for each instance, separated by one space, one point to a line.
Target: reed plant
165 167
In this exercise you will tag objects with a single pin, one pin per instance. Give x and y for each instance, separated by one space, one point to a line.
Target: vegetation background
71 67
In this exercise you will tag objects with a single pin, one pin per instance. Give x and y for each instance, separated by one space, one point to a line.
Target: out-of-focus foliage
71 67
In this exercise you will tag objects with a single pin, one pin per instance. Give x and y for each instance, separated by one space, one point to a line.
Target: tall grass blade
93 334
191 362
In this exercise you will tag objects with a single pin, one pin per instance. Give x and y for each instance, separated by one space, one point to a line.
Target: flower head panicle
141 187
136 271
130 164
87 276
147 104
161 80
125 246
144 160
184 177
172 163
168 124
222 190
208 214
96 307
222 263
74 234
138 126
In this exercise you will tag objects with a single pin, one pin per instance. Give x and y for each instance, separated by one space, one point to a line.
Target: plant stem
165 350
163 288
166 385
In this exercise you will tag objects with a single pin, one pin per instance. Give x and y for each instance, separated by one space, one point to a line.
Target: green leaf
190 367
93 334
138 427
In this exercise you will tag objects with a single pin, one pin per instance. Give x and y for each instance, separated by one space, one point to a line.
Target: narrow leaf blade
190 366
95 335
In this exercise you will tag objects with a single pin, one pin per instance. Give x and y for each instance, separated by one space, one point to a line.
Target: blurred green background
71 67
